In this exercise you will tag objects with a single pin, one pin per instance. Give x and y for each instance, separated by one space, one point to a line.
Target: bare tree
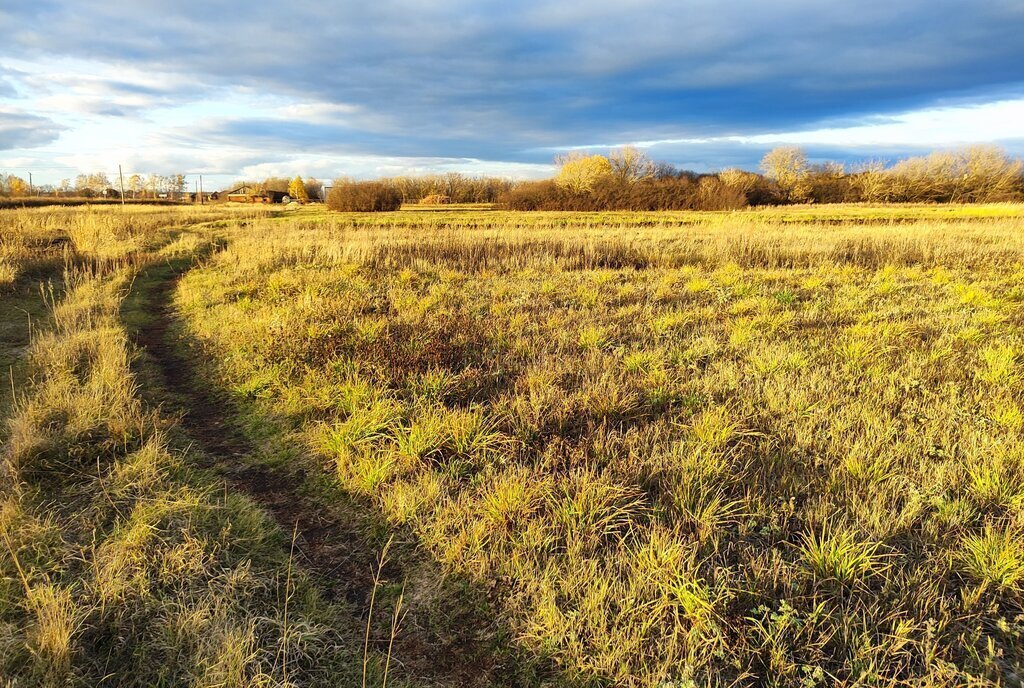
630 164
787 167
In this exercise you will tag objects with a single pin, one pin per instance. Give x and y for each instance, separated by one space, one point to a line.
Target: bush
363 197
542 195
684 192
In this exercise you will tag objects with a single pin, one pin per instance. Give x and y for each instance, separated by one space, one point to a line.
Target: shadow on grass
24 309
451 634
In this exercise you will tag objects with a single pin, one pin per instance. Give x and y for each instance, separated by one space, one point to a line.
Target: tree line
98 184
627 179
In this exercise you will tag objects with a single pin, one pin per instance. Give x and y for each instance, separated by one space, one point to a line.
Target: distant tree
18 186
91 184
664 170
714 194
363 197
868 182
314 188
407 187
281 184
787 167
738 179
65 186
580 173
454 185
828 183
135 184
968 175
630 164
986 173
297 190
176 184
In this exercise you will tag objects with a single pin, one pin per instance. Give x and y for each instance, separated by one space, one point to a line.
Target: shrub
672 193
531 196
363 197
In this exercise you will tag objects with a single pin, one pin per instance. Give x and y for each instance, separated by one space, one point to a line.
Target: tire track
331 539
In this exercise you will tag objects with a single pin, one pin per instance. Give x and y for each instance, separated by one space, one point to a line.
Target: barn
248 194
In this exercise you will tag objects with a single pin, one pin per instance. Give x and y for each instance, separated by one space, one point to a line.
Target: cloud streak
21 130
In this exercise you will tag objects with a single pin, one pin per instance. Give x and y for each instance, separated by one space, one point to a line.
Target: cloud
105 91
896 135
19 130
373 166
494 81
9 79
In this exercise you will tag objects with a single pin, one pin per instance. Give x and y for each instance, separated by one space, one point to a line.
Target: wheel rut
331 539
318 529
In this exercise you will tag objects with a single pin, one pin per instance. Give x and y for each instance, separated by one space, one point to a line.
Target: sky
389 87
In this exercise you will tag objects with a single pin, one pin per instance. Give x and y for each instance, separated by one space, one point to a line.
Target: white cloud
933 127
370 166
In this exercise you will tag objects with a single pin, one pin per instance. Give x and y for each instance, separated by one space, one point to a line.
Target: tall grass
119 563
737 448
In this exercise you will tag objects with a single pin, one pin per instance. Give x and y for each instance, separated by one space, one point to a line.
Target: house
249 194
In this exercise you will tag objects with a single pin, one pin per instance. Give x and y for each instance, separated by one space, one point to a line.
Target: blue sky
362 89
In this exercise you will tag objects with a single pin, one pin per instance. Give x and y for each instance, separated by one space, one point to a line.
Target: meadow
123 562
764 447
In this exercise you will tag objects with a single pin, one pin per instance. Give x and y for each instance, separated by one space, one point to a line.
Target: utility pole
120 175
202 201
31 186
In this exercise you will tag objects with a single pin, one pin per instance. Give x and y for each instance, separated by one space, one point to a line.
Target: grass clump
836 553
994 557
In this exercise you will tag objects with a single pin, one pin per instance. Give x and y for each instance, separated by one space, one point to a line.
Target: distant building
248 194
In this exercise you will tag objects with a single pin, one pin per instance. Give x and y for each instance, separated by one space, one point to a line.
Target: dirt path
318 529
451 642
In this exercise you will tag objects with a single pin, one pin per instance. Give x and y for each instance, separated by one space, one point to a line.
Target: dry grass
119 564
769 447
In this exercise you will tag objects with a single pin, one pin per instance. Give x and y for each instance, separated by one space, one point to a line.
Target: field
467 447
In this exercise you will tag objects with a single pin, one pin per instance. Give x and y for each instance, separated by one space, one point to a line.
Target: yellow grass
770 447
773 446
118 563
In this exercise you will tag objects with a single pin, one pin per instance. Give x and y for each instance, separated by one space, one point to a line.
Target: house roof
246 190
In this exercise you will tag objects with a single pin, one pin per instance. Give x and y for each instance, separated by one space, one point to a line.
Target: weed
993 557
838 553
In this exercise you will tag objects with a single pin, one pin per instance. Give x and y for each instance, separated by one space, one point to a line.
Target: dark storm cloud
502 80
